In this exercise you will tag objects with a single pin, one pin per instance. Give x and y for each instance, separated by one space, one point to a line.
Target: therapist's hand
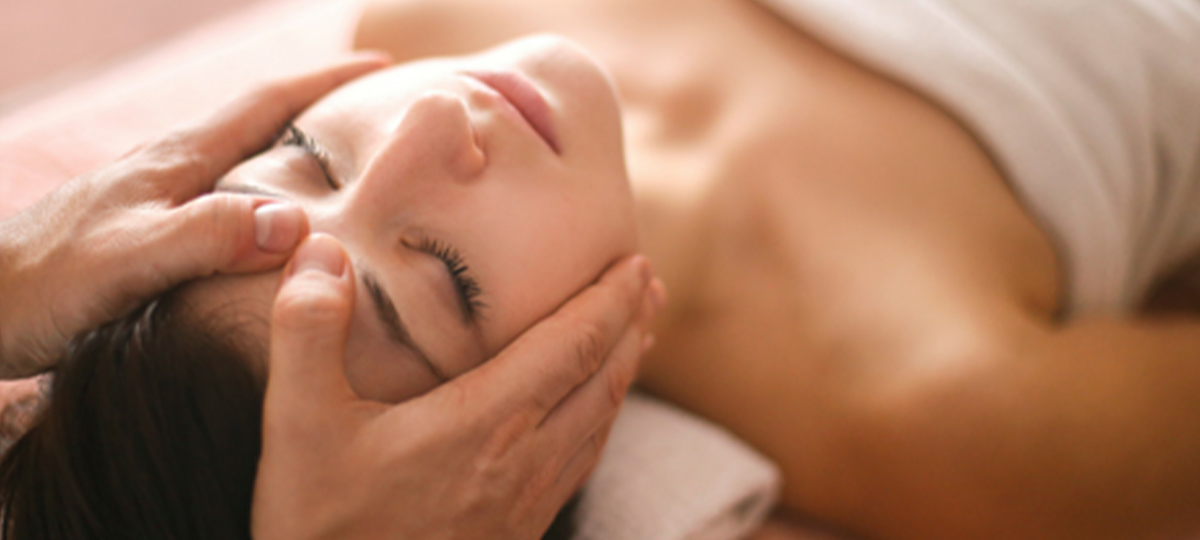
490 455
107 241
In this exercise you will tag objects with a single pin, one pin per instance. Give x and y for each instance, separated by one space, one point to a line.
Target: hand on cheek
492 454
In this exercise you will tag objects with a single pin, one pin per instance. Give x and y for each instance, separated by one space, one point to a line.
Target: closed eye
465 283
294 136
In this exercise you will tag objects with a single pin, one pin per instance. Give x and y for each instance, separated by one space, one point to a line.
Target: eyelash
468 289
293 136
466 285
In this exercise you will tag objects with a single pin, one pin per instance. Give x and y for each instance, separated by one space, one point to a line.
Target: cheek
547 253
376 371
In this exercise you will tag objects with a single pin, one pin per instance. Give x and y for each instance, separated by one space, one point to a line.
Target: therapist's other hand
104 242
492 454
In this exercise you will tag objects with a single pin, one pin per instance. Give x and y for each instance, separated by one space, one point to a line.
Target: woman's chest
792 200
801 206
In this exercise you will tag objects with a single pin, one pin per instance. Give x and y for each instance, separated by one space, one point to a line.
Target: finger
595 402
222 233
310 323
558 354
578 469
201 154
579 427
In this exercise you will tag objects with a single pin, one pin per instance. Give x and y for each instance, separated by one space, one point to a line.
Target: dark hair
152 430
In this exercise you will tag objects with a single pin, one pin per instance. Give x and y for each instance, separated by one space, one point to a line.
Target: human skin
427 158
856 290
139 226
69 254
503 459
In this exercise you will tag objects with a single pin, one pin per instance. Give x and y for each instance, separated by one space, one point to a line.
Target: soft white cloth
668 475
1091 106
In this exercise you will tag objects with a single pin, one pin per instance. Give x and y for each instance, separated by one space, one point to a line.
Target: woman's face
474 196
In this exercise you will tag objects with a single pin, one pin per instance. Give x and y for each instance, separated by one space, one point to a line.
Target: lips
521 93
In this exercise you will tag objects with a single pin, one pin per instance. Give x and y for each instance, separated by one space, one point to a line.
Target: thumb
228 234
310 323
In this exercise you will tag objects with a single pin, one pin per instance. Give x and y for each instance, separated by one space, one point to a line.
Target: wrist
9 261
15 271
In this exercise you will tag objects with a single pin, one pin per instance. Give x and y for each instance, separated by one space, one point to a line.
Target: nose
441 124
433 147
434 141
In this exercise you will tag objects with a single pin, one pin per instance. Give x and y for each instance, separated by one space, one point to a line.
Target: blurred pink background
49 44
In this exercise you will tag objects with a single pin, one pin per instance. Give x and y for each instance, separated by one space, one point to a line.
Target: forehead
353 120
391 89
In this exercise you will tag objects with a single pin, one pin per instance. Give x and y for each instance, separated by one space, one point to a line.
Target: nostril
474 157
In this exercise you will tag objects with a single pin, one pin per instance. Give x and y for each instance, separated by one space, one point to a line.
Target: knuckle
588 346
223 224
177 157
499 446
544 402
189 164
170 145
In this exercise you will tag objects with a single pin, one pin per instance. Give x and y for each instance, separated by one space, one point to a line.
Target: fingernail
648 343
277 227
320 253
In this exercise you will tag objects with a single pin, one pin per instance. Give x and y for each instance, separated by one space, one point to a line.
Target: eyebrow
397 332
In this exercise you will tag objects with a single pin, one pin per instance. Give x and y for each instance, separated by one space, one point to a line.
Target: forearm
24 262
1088 431
9 303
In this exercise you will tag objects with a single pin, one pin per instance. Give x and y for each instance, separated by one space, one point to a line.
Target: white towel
668 475
1091 106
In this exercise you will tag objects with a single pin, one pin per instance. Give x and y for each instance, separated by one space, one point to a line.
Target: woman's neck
670 215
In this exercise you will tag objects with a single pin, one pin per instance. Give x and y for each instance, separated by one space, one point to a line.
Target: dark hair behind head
152 431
